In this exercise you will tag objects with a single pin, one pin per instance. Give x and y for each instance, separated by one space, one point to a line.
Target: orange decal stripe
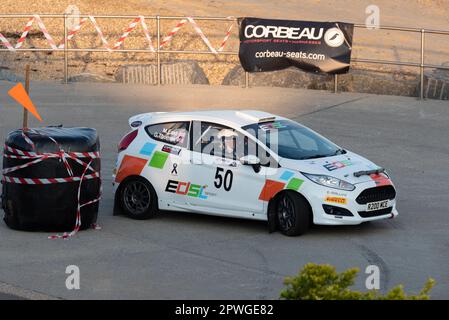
270 189
130 166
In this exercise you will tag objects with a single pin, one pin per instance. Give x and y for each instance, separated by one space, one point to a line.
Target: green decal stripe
158 160
294 184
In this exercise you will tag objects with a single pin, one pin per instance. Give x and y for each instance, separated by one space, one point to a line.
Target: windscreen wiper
315 156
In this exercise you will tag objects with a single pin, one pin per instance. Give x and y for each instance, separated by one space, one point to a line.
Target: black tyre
292 214
138 199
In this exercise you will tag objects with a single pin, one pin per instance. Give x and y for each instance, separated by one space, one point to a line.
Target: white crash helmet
226 133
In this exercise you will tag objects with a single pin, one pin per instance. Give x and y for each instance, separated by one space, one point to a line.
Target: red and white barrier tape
170 35
61 154
66 235
39 157
133 25
100 33
45 32
73 32
49 180
6 43
24 34
146 31
18 153
201 34
128 30
226 38
198 30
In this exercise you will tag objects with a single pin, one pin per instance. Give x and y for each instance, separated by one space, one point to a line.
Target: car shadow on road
364 228
228 224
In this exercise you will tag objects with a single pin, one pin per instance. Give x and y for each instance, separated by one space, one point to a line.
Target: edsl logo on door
185 189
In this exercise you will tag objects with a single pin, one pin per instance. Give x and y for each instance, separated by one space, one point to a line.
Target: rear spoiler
137 120
368 172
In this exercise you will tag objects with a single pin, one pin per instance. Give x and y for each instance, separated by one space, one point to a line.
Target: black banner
268 45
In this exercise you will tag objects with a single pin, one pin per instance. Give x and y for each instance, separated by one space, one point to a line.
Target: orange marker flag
19 94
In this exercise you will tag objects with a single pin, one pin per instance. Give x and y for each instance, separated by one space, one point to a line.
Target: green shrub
323 282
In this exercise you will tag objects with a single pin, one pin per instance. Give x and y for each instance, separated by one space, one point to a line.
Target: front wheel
138 199
293 214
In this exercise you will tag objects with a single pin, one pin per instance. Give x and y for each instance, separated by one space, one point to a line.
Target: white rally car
246 164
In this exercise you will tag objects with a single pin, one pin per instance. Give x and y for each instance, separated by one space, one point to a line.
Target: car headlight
329 181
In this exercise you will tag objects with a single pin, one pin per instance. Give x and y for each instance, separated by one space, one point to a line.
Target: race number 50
224 180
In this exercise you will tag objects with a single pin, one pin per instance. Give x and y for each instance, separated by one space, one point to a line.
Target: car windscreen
290 140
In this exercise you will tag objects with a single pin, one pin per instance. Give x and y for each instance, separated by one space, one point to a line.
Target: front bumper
334 220
358 212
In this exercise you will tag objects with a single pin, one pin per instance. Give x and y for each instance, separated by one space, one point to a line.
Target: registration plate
378 205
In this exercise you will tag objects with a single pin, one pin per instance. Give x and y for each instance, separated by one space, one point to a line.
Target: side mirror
251 160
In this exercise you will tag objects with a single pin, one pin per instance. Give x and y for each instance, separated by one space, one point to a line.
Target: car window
174 133
221 141
304 141
293 141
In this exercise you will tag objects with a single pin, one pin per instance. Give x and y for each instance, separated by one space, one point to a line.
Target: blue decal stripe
148 149
287 175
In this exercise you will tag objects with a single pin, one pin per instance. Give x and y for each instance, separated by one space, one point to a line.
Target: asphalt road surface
187 256
5 296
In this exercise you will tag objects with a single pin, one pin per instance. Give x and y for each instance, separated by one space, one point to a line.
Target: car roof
236 117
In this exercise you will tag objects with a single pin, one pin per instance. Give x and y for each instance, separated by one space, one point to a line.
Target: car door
165 149
222 184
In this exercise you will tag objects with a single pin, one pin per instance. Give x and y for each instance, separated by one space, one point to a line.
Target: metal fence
421 65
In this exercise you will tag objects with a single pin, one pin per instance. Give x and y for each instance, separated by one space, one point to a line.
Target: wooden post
27 89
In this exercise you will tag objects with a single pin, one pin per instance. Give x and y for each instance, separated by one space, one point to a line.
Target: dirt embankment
372 44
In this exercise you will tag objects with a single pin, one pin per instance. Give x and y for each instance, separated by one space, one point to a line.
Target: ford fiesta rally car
246 164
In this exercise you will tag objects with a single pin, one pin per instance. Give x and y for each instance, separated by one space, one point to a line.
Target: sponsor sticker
336 193
171 149
186 189
271 126
174 136
338 165
339 200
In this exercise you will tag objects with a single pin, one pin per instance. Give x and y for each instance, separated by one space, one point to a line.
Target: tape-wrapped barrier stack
51 179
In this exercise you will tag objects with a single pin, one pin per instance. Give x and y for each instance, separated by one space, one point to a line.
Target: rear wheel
293 214
138 199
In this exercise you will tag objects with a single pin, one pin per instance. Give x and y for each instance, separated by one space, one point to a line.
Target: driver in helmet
228 143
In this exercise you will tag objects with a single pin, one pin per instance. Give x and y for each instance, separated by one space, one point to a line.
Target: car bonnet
340 166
